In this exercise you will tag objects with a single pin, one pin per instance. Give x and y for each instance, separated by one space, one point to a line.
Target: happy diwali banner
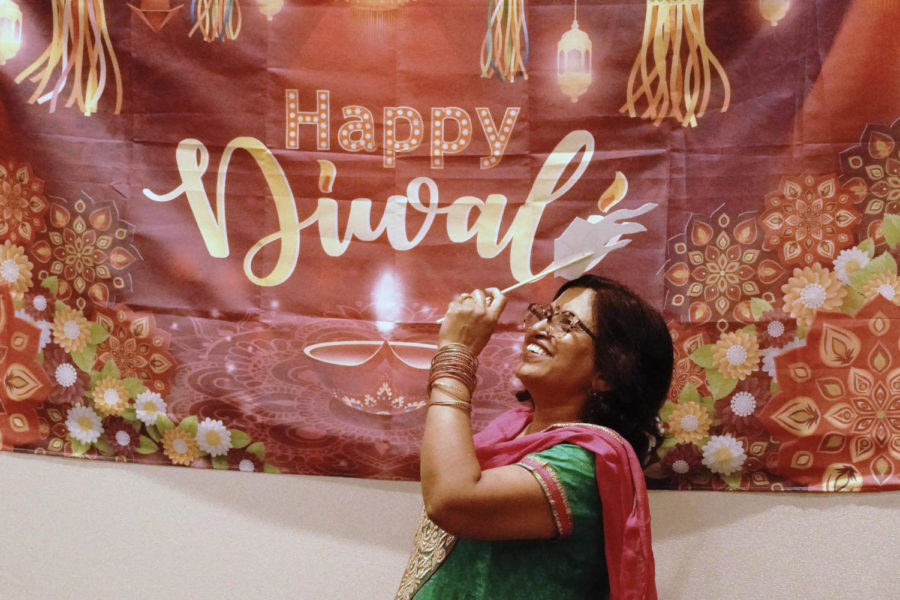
228 227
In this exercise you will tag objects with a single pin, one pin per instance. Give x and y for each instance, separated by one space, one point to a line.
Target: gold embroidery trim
432 545
611 432
551 472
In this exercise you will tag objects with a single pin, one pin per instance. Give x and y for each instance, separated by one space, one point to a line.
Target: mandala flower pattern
723 454
22 204
241 460
681 464
213 437
872 171
837 415
138 347
54 432
811 290
758 472
148 406
809 220
71 330
15 268
122 438
736 354
38 303
737 412
716 267
23 383
848 262
684 370
110 396
84 424
884 284
69 382
775 329
180 446
88 248
689 422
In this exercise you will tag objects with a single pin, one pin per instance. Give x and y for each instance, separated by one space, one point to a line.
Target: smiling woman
550 498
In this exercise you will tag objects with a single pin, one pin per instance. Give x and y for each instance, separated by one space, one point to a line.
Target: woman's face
561 363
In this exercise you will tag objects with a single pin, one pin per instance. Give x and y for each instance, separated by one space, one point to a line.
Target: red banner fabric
229 227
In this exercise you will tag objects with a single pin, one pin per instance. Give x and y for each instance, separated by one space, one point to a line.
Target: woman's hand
471 319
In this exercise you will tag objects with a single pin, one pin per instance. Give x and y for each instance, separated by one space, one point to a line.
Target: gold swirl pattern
432 546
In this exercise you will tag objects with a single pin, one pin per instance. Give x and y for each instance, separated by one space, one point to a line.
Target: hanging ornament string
80 47
505 48
216 19
675 65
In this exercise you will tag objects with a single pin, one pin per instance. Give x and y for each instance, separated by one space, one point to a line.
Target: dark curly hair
633 354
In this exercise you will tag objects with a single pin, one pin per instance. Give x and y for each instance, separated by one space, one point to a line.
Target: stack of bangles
456 362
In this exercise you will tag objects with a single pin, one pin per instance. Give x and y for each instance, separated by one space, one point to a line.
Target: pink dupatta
620 481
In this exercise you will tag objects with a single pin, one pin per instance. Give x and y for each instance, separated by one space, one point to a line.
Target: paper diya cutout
377 377
155 13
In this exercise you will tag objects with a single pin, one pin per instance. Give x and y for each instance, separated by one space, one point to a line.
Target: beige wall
72 529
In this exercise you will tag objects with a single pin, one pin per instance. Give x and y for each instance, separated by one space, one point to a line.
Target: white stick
553 268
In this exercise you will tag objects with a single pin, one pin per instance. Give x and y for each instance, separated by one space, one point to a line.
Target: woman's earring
599 385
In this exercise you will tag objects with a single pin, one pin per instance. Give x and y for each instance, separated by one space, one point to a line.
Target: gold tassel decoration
505 48
673 74
80 48
216 20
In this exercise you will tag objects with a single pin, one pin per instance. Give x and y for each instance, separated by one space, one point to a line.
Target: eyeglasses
559 322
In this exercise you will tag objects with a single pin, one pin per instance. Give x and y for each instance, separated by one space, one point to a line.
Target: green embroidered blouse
570 567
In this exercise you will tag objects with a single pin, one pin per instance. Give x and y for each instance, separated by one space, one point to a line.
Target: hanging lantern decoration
505 48
155 13
270 8
80 47
216 20
10 30
672 75
377 14
774 10
573 61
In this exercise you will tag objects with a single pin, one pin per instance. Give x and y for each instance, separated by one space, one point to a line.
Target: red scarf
620 481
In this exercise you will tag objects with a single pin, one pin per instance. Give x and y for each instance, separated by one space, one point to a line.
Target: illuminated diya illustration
375 376
382 376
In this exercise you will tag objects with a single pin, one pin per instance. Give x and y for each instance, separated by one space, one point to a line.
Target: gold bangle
467 382
450 390
453 404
